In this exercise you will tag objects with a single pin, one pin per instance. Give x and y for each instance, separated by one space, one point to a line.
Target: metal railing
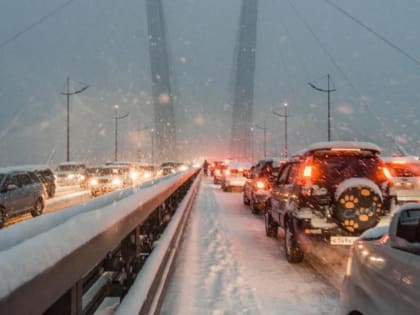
73 273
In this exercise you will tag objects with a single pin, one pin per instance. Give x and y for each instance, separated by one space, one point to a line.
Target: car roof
239 164
331 145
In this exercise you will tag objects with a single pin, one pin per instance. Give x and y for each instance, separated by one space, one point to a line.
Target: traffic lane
228 265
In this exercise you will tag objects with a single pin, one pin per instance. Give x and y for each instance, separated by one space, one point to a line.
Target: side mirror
404 230
11 187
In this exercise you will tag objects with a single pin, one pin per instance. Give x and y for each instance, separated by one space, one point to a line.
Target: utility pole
265 137
117 117
285 115
328 91
68 94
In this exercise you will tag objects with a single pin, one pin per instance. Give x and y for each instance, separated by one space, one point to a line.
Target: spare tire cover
358 204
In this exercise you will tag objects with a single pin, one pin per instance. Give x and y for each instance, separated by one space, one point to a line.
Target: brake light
240 169
387 173
217 172
307 172
260 185
227 172
346 149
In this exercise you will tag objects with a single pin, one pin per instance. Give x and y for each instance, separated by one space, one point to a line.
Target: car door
26 192
12 198
277 196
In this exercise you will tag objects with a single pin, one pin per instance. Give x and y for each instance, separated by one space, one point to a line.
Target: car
405 172
218 167
70 173
233 176
259 181
383 274
21 191
168 168
330 190
110 178
45 174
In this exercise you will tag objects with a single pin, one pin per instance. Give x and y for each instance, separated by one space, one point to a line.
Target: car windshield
404 169
68 168
112 171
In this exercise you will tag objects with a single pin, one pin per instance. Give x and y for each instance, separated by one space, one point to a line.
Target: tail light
387 173
227 172
217 172
260 185
307 172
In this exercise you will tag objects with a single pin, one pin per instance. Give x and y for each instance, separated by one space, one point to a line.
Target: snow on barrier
146 294
46 272
26 230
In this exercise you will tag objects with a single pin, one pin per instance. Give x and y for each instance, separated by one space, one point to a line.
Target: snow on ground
228 266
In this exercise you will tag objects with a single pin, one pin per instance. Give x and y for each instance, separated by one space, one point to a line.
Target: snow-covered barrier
48 271
26 230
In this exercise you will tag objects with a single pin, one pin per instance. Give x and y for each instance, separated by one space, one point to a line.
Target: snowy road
228 266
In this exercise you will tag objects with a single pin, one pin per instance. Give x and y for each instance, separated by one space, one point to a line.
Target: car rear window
404 170
335 167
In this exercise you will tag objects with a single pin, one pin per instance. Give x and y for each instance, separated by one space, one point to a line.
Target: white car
405 172
110 178
383 271
234 175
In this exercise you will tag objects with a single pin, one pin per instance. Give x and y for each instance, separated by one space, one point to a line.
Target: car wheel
271 228
38 207
2 216
245 199
294 252
253 206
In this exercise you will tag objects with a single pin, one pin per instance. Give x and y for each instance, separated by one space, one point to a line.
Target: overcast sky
104 44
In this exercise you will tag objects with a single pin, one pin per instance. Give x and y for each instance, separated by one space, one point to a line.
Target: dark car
21 192
258 185
333 190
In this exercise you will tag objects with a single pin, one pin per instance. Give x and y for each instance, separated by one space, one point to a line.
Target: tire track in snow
207 278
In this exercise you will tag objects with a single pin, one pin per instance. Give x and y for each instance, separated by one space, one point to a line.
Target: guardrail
54 271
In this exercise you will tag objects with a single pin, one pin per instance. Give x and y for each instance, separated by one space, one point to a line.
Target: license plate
342 240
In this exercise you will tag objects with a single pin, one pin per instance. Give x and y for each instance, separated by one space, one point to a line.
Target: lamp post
285 115
117 117
328 91
265 137
68 94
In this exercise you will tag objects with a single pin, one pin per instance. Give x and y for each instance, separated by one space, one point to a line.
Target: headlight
116 182
160 172
82 177
70 176
173 171
93 182
134 175
183 168
147 175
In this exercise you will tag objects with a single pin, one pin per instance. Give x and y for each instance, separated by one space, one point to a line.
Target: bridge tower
242 121
164 131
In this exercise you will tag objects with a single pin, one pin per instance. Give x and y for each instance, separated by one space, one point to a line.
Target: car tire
271 228
254 208
38 207
294 252
245 199
2 217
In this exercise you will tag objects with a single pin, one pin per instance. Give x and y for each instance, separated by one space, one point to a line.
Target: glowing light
116 182
260 185
93 182
307 172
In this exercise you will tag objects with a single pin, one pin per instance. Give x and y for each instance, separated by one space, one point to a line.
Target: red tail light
227 172
307 172
260 185
387 173
217 172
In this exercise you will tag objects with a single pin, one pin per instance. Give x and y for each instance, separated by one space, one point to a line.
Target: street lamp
117 117
265 137
285 115
328 91
68 94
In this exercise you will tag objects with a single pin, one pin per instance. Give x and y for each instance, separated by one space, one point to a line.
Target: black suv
332 190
